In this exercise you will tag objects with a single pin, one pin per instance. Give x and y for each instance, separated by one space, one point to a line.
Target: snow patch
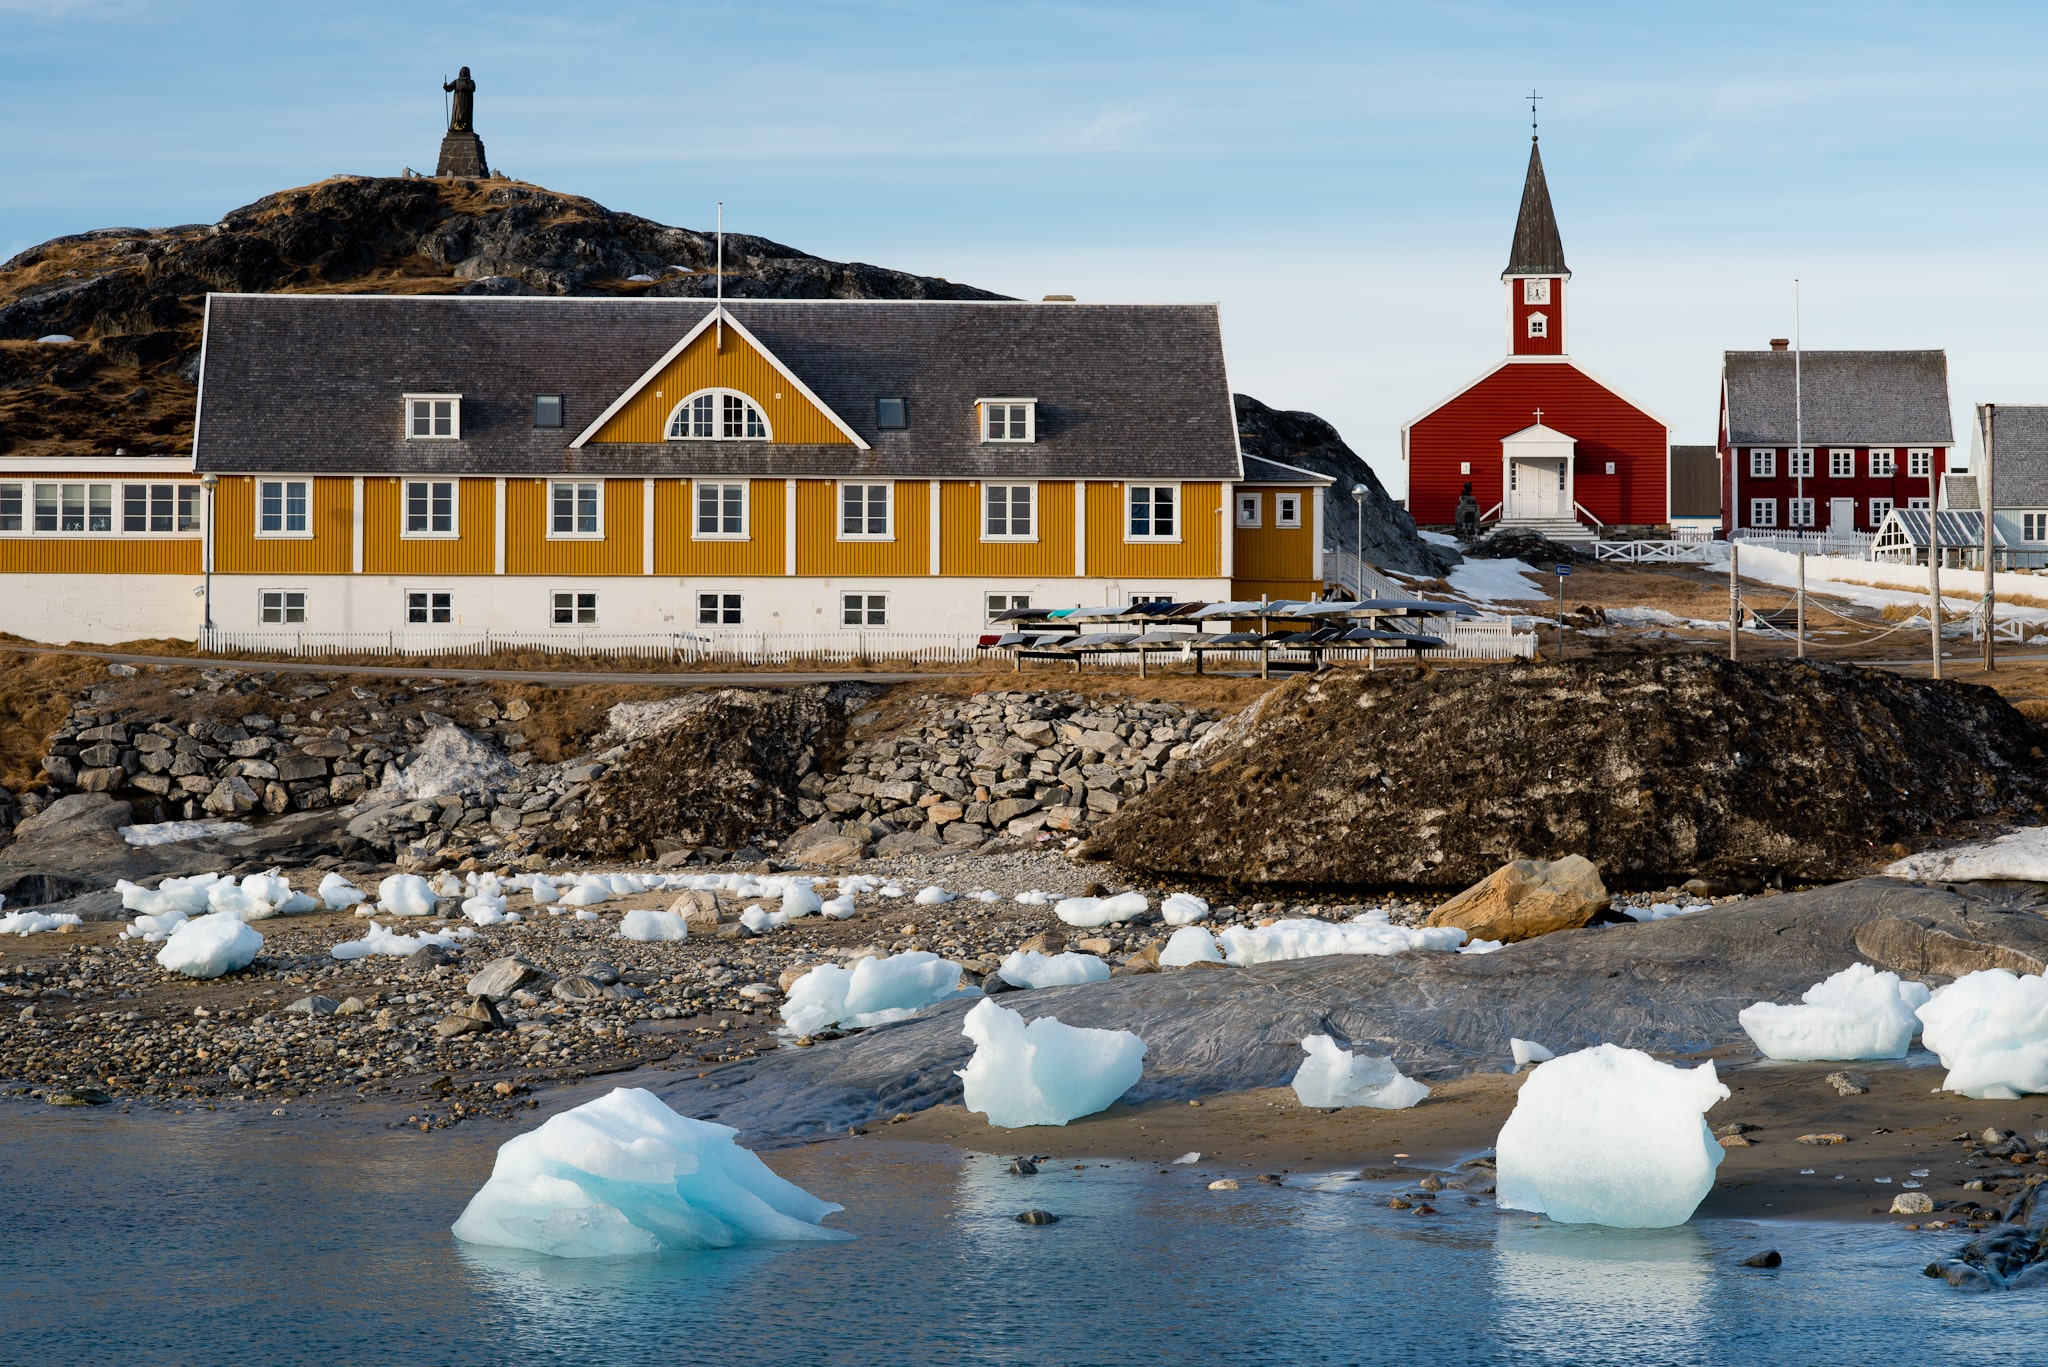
2021 857
171 832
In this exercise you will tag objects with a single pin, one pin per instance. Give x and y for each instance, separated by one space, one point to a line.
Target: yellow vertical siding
238 550
109 555
1198 554
1267 552
676 553
962 551
386 550
791 417
820 551
529 551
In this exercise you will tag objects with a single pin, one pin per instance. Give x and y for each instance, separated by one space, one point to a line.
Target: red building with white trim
1542 442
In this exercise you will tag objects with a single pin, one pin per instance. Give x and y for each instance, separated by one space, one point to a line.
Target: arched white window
717 415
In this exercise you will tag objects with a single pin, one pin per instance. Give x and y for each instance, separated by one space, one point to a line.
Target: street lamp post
1358 571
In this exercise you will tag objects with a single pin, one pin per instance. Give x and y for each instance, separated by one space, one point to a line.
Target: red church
1540 441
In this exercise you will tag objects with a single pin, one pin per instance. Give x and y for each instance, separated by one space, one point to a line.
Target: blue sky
1342 177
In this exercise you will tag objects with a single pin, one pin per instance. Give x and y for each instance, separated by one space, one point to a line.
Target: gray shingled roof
1259 470
2019 456
1850 398
1537 249
313 383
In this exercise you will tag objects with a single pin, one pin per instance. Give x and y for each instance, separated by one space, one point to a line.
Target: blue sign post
1563 572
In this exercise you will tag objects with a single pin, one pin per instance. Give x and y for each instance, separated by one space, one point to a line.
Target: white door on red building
1841 514
1536 490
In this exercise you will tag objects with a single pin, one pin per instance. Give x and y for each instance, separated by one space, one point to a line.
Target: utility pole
1734 603
1934 559
1801 627
1987 414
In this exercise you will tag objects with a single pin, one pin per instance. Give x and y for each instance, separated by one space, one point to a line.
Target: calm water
152 1239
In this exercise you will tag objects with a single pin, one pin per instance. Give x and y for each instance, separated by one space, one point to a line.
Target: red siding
1520 343
1739 486
1606 426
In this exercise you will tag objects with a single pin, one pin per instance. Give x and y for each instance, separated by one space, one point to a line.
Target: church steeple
1536 272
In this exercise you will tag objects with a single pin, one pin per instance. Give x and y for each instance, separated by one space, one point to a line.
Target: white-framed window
1287 510
1919 463
573 609
1917 505
1799 462
1535 291
156 508
1763 463
1842 464
1009 419
281 607
1799 512
1763 512
721 512
283 507
429 507
1139 597
1152 512
1006 602
13 508
1883 464
718 415
1248 511
1539 325
1879 508
429 607
864 609
74 509
2034 526
575 509
433 417
1009 512
865 512
718 610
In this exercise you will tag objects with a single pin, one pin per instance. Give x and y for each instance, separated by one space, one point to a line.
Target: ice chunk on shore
872 992
1331 1076
1183 909
799 901
1046 1072
487 909
187 895
173 832
543 891
209 946
1990 1030
1370 933
1858 1013
1029 968
147 927
258 897
405 894
1528 1051
586 895
840 908
382 940
625 1175
338 893
2020 857
1610 1136
35 922
932 897
1102 911
1034 898
1188 945
761 921
650 926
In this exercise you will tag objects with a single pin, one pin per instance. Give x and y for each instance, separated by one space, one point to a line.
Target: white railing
1675 552
1344 571
739 647
1854 545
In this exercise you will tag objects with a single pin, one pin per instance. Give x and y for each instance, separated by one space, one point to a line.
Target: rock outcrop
1527 898
1657 769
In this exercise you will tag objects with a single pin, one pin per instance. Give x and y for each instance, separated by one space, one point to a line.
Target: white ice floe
1990 1030
625 1175
486 909
381 940
174 832
1189 945
586 895
1331 1076
1610 1136
761 921
651 926
872 992
1183 909
984 895
1035 898
1370 933
404 894
338 894
1482 946
934 897
799 901
1046 1072
544 892
2020 857
889 890
1858 1013
1528 1051
840 908
35 922
586 914
1029 968
209 946
185 895
1193 1157
446 884
1657 911
1088 912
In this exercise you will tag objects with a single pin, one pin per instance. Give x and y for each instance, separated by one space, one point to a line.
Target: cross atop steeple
1533 97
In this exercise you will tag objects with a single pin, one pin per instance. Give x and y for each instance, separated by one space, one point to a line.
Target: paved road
560 678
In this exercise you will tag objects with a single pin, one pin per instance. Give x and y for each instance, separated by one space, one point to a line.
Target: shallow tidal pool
149 1238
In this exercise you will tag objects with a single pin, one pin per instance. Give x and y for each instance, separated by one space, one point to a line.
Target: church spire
1537 249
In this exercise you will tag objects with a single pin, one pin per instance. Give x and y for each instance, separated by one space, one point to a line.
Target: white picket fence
736 647
1850 545
1685 552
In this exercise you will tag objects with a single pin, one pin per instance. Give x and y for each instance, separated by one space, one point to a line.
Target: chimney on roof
1781 343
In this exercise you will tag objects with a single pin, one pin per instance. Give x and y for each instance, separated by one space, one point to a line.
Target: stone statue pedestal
462 154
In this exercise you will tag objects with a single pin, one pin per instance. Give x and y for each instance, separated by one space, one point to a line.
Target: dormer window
547 410
1539 326
717 415
433 417
1009 419
892 414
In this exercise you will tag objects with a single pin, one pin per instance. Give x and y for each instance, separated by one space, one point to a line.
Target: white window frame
1763 462
31 493
284 533
1799 513
1799 462
697 486
866 610
1879 509
993 603
1920 462
1179 514
1250 510
405 529
408 595
984 411
24 499
1287 510
2034 526
555 534
721 604
866 486
454 402
1841 462
283 608
1009 505
1918 505
718 417
1884 462
1539 325
1536 291
572 601
1763 512
179 489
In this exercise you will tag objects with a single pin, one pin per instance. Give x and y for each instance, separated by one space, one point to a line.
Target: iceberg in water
1857 1013
873 992
211 945
1371 933
1046 1072
625 1175
1990 1030
1610 1136
1029 968
1330 1076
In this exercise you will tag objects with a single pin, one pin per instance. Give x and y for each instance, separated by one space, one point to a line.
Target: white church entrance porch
1537 480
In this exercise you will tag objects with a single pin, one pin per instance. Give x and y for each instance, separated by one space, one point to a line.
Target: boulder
1527 898
837 852
500 978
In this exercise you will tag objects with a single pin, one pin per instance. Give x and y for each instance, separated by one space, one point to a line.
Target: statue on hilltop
463 114
462 151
